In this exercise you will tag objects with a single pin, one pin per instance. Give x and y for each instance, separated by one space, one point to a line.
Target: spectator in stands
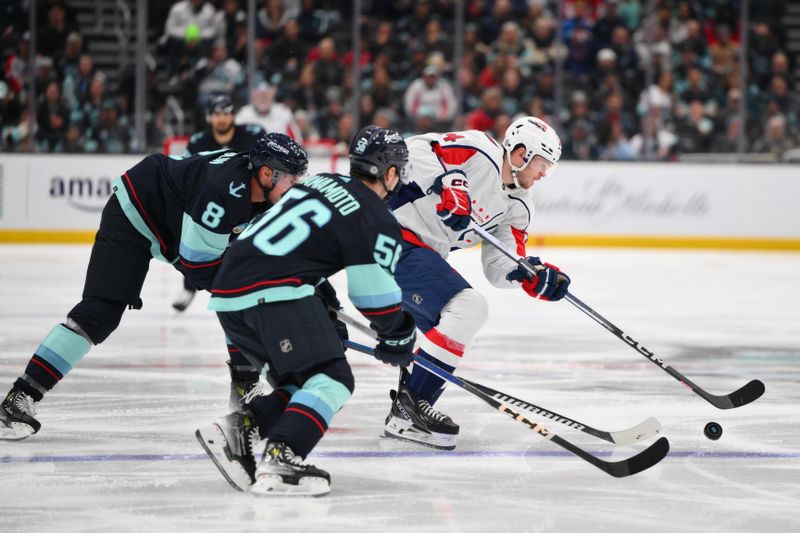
308 132
580 20
580 56
328 71
580 143
380 86
45 73
10 112
658 95
695 130
654 142
112 133
51 119
779 66
430 91
607 23
762 48
16 64
270 20
435 40
218 74
724 52
783 101
409 25
614 143
386 118
544 41
227 21
76 85
579 111
188 21
52 37
92 106
501 124
484 116
67 63
727 141
501 12
270 115
774 139
288 52
513 91
613 110
314 23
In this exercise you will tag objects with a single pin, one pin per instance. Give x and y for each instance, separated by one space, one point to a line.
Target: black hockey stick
650 456
748 393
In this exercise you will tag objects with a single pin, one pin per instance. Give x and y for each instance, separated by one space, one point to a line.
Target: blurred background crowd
620 79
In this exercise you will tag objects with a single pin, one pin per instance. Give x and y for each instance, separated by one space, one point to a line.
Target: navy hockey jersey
244 136
325 224
188 207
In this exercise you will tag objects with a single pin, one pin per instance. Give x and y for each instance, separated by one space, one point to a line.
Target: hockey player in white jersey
458 180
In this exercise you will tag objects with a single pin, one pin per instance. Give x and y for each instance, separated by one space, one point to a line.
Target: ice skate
281 472
229 443
17 414
415 420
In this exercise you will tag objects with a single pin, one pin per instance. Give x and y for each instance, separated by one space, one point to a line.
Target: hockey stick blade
641 431
747 394
651 456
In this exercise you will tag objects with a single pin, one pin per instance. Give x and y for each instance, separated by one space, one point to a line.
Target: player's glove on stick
455 206
549 283
396 348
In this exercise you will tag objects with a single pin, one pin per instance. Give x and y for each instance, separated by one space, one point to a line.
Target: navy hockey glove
396 348
549 283
455 206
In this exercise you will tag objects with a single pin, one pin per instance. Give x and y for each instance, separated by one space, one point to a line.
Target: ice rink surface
117 450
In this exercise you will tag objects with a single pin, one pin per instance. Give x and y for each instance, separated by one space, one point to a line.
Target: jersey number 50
278 232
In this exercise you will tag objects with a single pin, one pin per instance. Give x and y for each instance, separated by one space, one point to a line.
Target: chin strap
514 171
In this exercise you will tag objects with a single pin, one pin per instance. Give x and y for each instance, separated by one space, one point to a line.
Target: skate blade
273 485
213 442
439 441
15 431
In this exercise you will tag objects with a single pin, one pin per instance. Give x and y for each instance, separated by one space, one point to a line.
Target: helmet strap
514 170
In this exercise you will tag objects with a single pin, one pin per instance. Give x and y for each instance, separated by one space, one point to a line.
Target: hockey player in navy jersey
221 134
264 297
181 211
459 180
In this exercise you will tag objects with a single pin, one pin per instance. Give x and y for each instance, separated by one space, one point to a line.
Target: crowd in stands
634 86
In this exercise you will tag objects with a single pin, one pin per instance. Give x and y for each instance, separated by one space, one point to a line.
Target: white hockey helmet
538 139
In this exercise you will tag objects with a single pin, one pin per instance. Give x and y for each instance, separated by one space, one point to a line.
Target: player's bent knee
97 318
469 309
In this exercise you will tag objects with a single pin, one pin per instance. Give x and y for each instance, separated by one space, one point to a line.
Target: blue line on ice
366 454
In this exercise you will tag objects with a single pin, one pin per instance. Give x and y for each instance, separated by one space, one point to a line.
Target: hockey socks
58 353
268 409
309 413
423 384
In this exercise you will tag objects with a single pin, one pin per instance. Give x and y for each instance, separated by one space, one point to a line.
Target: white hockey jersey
503 212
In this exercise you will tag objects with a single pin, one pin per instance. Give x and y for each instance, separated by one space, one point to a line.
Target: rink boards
58 198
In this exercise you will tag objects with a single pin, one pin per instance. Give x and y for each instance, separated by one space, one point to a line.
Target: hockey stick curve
645 459
746 394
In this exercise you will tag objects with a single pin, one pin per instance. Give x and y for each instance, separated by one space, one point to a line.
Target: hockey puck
713 431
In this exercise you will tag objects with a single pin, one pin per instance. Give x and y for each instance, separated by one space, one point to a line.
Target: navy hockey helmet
280 153
220 103
374 150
